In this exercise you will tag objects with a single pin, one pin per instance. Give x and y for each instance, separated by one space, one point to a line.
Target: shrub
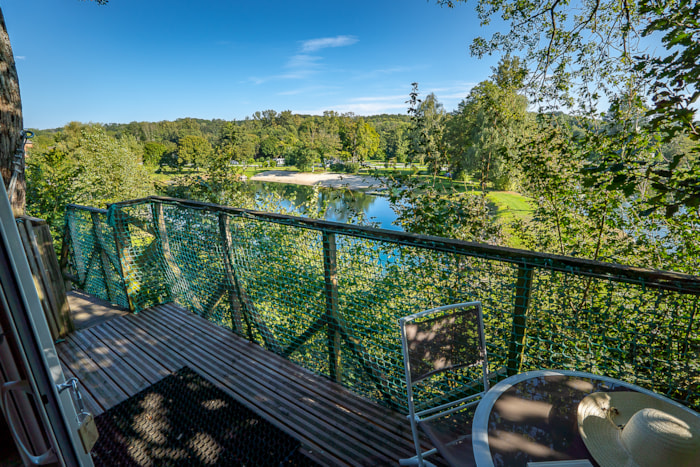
351 167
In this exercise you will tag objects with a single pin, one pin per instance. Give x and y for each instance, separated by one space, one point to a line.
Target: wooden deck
118 358
87 311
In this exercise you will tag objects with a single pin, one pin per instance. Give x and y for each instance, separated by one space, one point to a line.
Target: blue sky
152 60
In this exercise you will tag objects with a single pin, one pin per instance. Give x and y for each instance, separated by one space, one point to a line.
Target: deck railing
328 296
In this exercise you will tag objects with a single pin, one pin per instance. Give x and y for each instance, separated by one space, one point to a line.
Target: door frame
33 349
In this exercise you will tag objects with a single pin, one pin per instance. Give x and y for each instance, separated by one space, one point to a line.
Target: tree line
304 140
428 135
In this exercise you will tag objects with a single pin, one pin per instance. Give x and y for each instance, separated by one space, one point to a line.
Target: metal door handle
23 386
72 384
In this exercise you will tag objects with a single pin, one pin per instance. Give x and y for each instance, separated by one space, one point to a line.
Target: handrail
87 208
652 278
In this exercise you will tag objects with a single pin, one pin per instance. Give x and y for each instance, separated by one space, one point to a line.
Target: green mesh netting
330 299
94 262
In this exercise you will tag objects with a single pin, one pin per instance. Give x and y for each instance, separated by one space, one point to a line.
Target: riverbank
326 179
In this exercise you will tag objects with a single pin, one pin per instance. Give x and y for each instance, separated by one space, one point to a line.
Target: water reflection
342 205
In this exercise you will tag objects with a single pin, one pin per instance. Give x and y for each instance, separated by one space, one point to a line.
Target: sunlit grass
510 205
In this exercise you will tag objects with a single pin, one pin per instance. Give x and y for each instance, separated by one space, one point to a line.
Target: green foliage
267 135
427 144
396 144
347 167
393 133
576 213
675 87
567 166
51 176
423 208
579 53
303 158
320 135
482 132
271 147
193 150
108 170
360 141
153 153
575 52
675 77
573 322
82 164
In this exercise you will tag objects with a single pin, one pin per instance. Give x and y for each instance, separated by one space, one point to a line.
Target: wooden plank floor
118 358
87 311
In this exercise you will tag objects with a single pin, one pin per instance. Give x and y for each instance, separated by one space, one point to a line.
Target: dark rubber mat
185 420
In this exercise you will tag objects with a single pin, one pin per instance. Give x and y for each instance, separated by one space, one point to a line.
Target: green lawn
510 205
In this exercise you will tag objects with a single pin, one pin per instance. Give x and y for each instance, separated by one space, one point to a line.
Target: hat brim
602 436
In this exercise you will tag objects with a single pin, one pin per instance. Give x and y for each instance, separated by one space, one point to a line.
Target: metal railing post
99 246
69 242
122 253
516 346
330 272
235 301
65 253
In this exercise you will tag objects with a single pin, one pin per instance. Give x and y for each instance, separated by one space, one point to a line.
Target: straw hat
634 429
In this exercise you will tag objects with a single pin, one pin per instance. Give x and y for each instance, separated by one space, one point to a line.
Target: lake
343 204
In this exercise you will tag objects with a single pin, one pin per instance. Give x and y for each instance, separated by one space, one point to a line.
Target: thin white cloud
456 91
297 74
380 98
449 94
398 69
20 57
312 45
316 90
257 80
373 74
303 61
371 108
303 64
366 105
293 92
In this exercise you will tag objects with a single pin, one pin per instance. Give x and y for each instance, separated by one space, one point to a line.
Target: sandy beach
332 180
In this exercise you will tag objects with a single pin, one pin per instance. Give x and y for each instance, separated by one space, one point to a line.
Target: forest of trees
265 136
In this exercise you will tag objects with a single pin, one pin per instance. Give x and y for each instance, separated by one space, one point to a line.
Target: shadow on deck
122 354
87 311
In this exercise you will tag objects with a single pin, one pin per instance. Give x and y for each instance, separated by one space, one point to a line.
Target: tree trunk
10 119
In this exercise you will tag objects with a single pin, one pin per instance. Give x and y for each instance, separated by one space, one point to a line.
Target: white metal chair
443 349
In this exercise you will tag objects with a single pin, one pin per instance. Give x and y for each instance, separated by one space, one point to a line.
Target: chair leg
416 441
419 458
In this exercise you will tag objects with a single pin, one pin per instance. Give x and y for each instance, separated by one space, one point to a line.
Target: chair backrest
442 339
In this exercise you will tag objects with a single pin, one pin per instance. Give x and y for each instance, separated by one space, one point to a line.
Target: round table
531 417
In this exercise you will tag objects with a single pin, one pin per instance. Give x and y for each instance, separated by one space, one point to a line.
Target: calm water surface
343 205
